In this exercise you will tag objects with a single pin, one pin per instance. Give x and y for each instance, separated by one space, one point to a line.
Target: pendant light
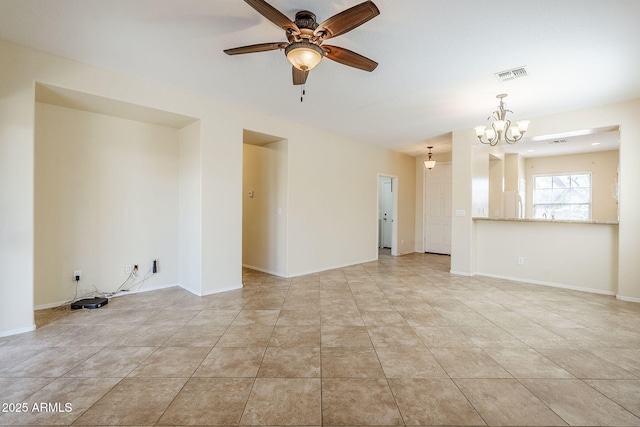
430 163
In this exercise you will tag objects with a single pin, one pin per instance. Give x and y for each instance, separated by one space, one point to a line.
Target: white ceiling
437 57
585 140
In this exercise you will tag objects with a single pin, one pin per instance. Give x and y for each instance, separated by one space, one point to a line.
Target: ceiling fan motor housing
306 19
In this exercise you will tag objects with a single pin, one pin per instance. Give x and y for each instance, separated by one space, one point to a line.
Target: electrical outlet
128 269
520 260
77 275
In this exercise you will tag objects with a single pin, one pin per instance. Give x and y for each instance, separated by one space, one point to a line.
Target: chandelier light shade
430 163
304 55
501 129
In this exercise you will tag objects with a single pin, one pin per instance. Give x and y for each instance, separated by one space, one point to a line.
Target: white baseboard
51 305
629 299
460 273
157 287
217 291
264 270
550 284
146 289
18 331
119 294
320 270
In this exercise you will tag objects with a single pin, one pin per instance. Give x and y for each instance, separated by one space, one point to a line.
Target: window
566 196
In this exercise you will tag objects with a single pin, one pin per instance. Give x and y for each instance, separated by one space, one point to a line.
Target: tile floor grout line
413 282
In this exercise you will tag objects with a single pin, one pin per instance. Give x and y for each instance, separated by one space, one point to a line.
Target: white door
437 209
387 213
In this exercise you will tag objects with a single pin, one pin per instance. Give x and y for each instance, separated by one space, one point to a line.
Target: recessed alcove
109 193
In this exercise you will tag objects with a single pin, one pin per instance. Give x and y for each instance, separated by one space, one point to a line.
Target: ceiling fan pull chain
303 92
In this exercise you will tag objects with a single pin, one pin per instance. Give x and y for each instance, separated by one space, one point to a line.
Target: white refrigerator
513 205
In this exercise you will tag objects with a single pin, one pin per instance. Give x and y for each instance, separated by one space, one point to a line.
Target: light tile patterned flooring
399 341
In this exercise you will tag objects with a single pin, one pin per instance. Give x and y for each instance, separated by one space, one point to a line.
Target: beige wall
465 234
100 182
332 180
554 253
463 175
333 201
603 166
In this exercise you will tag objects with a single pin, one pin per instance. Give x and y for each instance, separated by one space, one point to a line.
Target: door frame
394 209
424 205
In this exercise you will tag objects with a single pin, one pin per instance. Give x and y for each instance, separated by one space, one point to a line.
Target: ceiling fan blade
347 57
299 76
262 47
274 15
347 20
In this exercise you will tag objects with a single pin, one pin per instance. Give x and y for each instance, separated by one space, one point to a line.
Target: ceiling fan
305 36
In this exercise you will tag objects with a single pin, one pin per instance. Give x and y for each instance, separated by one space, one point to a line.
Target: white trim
628 299
461 273
406 253
119 294
51 305
188 289
333 268
263 270
18 331
144 289
217 291
550 284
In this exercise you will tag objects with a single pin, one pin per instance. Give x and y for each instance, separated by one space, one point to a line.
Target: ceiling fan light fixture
303 55
305 36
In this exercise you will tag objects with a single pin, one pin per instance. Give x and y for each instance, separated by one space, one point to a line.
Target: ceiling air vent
514 73
557 141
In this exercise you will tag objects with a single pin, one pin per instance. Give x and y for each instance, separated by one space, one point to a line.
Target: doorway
264 203
437 209
387 213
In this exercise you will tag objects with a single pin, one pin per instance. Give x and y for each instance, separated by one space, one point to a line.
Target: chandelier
430 164
501 128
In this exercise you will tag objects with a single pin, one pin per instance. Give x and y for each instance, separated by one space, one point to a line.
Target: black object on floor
89 303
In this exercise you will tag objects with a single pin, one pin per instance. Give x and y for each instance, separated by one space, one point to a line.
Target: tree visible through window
566 196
